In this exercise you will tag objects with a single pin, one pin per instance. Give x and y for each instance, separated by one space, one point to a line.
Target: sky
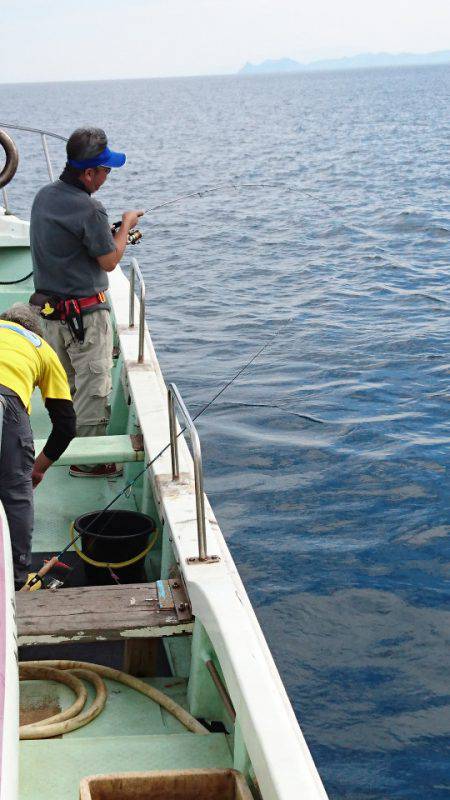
56 40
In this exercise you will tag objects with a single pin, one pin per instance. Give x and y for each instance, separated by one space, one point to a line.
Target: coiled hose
69 673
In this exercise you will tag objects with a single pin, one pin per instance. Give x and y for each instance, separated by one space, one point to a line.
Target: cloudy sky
46 40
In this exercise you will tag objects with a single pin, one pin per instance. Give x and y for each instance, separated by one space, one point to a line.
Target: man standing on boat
26 361
73 249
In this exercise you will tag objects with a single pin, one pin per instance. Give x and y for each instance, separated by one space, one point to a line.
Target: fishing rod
55 560
135 235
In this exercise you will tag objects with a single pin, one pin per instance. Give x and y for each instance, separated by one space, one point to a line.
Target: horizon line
238 73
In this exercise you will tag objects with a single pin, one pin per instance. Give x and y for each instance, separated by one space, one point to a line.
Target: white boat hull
9 678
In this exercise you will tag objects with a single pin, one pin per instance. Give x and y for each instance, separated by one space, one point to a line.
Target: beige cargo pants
88 366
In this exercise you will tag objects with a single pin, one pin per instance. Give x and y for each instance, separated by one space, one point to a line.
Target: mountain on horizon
361 61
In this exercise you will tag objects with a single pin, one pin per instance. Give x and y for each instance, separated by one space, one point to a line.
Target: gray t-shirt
69 230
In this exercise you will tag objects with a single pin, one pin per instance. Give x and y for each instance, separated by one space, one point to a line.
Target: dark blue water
327 461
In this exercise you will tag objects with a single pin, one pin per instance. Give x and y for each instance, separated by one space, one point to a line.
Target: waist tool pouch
47 305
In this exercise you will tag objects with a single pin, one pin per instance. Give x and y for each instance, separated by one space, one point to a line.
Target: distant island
362 61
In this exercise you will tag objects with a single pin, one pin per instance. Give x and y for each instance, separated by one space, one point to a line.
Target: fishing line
236 185
287 188
202 193
306 417
149 463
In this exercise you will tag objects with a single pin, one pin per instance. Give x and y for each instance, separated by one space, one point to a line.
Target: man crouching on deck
73 249
27 361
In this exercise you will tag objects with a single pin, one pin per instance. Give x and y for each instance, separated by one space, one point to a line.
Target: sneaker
100 471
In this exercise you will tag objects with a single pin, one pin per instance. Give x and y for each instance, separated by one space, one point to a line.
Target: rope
18 280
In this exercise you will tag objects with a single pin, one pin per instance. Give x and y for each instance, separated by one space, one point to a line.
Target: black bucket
124 534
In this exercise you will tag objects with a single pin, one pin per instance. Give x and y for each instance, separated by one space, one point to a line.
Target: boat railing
43 134
174 396
135 271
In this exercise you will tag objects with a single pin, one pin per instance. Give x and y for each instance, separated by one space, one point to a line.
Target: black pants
16 489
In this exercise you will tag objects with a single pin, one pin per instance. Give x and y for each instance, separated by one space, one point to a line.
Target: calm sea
327 461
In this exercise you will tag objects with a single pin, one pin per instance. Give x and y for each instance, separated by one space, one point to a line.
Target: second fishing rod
53 561
190 195
134 238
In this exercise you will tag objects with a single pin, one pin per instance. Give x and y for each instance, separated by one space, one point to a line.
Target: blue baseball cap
107 158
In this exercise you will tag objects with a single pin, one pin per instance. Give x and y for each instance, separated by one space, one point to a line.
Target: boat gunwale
278 751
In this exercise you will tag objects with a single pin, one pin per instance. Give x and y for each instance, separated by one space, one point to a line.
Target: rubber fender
12 159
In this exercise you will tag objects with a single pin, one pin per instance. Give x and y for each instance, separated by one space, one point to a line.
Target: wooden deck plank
96 613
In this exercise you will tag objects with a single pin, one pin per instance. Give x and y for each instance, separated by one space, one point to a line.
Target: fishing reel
134 236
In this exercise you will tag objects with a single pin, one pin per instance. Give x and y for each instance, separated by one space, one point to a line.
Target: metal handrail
135 270
174 395
43 134
32 130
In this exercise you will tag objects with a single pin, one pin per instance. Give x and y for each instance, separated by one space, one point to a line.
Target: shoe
100 471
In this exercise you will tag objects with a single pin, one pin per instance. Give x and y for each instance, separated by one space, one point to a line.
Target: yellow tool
35 586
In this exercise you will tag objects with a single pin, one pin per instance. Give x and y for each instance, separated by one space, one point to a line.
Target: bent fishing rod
54 560
135 235
260 185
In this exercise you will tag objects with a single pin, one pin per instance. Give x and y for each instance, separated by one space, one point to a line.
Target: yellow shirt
27 361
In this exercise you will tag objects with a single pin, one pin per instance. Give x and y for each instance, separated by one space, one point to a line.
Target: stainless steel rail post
174 396
136 271
5 200
47 157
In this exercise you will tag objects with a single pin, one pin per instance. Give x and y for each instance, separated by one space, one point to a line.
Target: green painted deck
132 733
54 768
